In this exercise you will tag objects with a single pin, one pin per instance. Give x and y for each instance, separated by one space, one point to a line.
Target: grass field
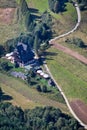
10 31
69 73
25 96
8 3
41 5
23 102
82 51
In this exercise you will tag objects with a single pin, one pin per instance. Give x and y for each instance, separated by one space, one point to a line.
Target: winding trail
53 40
76 26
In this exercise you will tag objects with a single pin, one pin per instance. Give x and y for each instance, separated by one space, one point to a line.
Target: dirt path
70 52
6 15
80 109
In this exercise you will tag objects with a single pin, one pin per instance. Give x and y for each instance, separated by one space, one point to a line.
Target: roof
42 74
9 54
23 45
39 71
46 76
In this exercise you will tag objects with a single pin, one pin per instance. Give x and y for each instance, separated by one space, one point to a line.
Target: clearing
16 88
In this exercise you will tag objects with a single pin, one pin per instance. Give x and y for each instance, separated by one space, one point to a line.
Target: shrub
77 41
44 88
38 87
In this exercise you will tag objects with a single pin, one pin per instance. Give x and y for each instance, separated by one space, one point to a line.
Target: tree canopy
23 6
57 5
82 4
46 118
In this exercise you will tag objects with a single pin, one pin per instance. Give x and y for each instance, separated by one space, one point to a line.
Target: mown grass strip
29 93
18 99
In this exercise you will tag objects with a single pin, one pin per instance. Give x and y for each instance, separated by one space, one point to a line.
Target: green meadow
69 73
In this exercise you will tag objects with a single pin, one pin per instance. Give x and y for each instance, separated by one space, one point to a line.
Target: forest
39 118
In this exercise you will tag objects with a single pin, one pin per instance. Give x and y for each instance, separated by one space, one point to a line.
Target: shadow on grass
5 97
84 46
42 60
50 53
34 13
33 10
34 16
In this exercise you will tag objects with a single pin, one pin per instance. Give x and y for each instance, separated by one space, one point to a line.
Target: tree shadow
33 83
6 97
10 67
34 16
42 60
50 53
63 9
84 46
33 10
34 13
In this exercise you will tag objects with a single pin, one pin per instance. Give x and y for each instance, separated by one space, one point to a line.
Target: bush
4 65
44 88
77 41
57 5
38 87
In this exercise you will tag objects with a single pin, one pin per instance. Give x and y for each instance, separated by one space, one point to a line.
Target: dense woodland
46 118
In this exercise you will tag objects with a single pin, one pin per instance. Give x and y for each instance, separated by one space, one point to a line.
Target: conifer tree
23 6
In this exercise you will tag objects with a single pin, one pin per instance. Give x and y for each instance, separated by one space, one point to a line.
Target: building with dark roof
23 53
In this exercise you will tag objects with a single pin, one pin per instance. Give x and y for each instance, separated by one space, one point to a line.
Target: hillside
70 73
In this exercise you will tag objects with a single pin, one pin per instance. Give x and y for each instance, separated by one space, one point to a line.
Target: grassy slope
42 5
73 47
20 92
72 84
12 30
81 33
69 73
17 98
